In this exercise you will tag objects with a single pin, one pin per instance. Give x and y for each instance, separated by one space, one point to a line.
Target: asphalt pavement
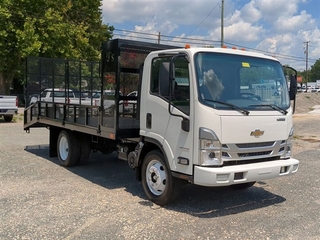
39 199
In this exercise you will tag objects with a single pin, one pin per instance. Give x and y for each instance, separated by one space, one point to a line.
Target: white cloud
177 11
279 43
250 14
273 9
168 27
276 26
294 23
314 46
239 31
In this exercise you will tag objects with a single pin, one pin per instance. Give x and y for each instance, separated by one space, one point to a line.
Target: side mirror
293 87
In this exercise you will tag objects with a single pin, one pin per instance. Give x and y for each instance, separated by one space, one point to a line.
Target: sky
286 29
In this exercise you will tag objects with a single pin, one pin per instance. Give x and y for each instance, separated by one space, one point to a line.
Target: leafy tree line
68 29
313 73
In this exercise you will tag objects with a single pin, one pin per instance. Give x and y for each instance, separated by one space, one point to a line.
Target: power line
203 20
194 40
130 31
266 52
207 41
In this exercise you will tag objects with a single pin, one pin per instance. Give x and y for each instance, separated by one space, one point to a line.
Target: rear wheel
158 183
85 150
8 118
68 149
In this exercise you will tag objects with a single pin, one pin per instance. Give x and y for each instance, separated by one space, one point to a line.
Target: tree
315 71
70 29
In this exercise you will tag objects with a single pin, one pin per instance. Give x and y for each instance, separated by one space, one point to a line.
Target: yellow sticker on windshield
245 64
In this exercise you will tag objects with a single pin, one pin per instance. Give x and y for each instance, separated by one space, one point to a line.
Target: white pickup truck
57 95
8 107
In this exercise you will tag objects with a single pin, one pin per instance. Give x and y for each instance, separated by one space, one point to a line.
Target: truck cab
217 117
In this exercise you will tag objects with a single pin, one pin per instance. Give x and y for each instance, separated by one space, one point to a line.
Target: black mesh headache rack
97 98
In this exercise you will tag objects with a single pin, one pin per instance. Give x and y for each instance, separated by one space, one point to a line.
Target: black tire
68 149
85 151
8 118
243 186
157 182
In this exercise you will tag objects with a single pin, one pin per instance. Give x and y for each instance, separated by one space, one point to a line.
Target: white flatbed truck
199 117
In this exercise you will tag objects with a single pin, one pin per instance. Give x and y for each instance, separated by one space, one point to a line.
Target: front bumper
229 175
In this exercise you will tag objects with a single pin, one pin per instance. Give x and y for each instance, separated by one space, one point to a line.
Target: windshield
246 82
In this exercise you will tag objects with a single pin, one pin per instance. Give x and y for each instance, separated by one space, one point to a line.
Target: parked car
108 100
57 95
312 90
8 107
131 105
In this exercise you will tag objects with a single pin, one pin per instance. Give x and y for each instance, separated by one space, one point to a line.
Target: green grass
18 118
297 137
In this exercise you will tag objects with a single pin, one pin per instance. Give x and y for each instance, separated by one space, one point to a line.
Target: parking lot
42 200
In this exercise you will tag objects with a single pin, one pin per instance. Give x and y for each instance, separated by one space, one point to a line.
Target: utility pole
306 52
159 37
222 12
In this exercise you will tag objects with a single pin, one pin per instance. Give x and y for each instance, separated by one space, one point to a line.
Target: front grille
240 153
254 154
255 145
225 154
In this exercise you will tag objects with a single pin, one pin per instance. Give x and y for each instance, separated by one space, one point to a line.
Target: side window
59 94
155 74
44 94
159 84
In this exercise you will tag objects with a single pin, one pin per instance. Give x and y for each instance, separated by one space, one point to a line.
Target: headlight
210 148
288 147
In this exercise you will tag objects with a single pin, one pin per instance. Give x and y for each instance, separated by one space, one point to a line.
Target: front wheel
157 182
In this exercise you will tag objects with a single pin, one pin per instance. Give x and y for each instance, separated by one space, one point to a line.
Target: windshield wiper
275 107
243 111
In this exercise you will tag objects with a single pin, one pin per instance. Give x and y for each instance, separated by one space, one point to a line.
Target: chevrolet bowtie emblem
257 133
